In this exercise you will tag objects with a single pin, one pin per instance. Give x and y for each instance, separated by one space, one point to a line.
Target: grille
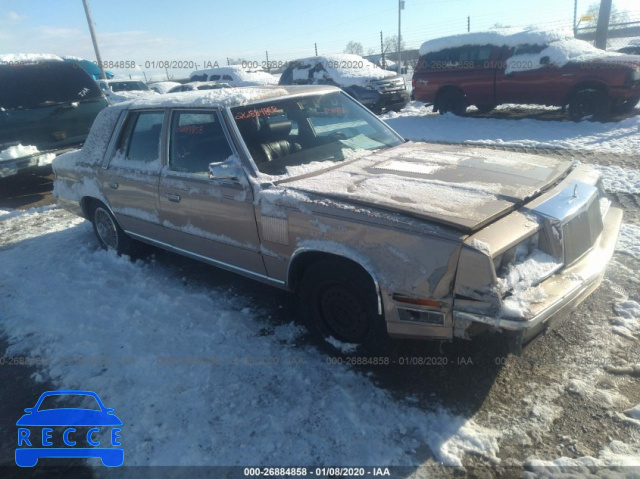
581 232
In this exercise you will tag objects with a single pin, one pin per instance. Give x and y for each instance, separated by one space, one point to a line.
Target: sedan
303 188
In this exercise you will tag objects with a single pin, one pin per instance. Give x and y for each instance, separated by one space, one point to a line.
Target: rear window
43 84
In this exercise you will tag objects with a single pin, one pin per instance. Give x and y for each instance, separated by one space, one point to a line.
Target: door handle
113 184
172 197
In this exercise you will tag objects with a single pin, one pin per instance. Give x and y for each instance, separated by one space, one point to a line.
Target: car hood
619 59
462 187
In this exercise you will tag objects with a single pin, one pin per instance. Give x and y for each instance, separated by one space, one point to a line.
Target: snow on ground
178 361
418 123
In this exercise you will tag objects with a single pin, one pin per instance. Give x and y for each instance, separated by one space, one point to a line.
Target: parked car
163 86
234 75
304 189
530 67
375 88
118 91
199 85
633 47
46 107
91 68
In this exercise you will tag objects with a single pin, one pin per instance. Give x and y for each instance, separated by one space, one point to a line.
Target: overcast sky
146 31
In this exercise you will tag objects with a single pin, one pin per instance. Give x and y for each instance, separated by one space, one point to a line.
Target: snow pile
629 240
415 122
618 179
560 47
615 456
344 69
28 57
241 76
509 37
627 320
529 269
188 367
18 151
163 86
558 53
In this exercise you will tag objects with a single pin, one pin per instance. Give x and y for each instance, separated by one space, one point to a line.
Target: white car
235 76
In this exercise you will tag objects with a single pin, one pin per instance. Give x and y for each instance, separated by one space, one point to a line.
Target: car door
210 217
130 178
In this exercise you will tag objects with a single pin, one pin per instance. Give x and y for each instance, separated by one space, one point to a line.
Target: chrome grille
581 232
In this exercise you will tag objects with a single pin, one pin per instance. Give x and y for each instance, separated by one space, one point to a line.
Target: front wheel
110 235
452 101
588 104
339 299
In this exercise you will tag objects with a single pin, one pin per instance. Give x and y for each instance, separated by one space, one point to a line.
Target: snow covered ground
418 123
177 361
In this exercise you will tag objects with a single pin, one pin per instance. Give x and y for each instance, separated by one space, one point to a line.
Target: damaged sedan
303 188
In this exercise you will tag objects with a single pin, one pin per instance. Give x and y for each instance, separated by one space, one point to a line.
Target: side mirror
545 60
227 170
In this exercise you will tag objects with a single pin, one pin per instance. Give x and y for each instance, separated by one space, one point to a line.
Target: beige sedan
304 189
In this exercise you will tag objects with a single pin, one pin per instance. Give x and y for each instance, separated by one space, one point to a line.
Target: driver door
210 218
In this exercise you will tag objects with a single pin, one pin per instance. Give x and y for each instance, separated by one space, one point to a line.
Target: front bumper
563 291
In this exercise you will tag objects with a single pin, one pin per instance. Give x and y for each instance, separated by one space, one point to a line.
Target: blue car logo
77 428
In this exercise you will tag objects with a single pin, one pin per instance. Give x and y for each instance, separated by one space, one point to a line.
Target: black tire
339 299
625 107
452 101
485 108
589 104
108 231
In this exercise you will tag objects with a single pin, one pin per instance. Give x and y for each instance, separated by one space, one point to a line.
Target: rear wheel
625 107
339 300
589 104
452 101
110 235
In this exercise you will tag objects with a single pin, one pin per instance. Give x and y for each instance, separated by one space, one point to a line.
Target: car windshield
77 401
296 135
44 84
128 86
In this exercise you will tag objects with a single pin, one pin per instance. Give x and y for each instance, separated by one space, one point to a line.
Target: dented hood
458 186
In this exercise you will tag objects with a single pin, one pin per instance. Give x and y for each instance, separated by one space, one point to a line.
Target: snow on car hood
454 185
344 69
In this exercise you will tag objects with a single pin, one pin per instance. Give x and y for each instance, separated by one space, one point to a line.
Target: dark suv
486 69
46 107
375 88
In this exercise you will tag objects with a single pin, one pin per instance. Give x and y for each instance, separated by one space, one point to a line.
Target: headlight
524 265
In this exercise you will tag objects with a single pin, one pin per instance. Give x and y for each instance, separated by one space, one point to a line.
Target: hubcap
106 229
344 314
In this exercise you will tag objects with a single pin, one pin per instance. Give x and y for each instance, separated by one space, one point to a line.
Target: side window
197 139
227 77
214 77
139 142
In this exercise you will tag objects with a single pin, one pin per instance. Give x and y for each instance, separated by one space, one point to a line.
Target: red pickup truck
527 67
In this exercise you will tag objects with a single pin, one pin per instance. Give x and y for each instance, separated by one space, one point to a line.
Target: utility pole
400 8
575 17
315 45
603 24
468 24
93 38
382 60
268 67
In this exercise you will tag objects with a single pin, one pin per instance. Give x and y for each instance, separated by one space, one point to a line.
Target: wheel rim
344 313
106 228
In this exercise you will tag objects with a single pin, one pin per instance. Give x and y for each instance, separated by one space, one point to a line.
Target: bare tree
391 44
355 48
617 15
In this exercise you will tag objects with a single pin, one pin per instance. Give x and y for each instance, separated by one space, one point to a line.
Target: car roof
224 97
